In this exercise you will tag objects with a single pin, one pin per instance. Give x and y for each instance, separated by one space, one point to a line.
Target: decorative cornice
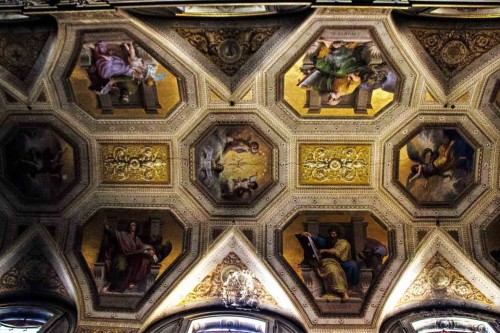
105 330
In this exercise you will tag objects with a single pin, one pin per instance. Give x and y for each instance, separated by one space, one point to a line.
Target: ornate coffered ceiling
222 139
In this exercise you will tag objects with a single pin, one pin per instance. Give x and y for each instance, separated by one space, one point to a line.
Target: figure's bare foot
345 297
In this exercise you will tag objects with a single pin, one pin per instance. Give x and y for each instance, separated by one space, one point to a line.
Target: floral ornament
330 164
135 163
453 50
440 280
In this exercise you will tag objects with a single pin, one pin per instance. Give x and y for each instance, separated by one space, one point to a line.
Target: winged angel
442 160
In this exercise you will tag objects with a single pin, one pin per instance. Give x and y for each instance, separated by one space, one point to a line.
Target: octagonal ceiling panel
167 95
121 291
493 240
490 99
127 250
436 166
115 76
360 242
41 163
359 61
341 76
367 225
234 164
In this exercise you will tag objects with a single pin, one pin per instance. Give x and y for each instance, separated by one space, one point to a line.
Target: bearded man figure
336 267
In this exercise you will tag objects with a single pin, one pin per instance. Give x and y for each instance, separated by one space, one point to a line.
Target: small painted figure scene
341 77
340 255
233 164
39 162
436 166
120 78
128 250
493 241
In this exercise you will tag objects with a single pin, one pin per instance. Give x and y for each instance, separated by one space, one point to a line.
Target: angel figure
440 160
237 188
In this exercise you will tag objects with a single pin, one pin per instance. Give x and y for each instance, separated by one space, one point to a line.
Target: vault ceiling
230 151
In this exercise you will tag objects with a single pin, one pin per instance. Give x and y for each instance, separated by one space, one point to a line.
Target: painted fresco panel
233 164
118 78
436 166
348 265
39 163
128 250
342 74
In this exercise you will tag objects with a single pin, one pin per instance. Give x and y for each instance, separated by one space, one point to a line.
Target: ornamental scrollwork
333 164
453 50
228 48
135 164
34 273
233 283
439 279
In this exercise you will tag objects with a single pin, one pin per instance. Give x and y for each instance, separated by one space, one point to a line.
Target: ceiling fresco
111 235
436 166
337 167
341 75
40 163
233 164
122 79
362 244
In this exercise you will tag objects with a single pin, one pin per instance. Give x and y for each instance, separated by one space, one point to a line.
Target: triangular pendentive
22 47
211 287
439 279
455 49
228 48
465 98
33 272
231 253
34 264
440 270
429 97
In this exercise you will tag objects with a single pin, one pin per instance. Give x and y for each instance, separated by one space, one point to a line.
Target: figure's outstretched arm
417 175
